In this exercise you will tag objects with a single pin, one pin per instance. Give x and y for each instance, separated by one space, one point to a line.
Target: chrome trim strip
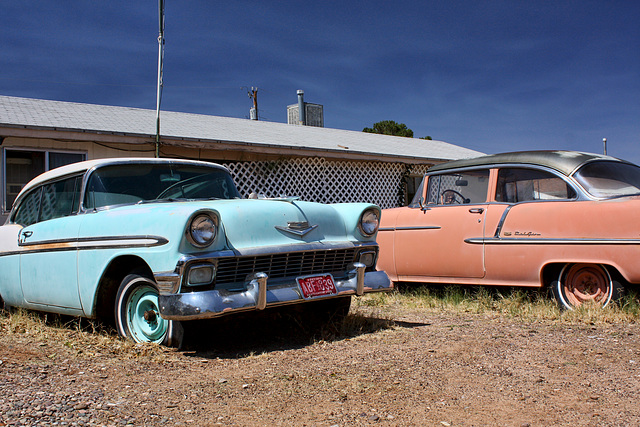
539 241
501 222
85 243
296 247
417 227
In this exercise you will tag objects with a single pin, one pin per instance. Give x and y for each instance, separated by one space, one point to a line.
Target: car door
432 241
48 245
10 290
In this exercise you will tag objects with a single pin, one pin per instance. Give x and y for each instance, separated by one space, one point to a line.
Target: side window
60 199
521 184
458 188
27 212
49 201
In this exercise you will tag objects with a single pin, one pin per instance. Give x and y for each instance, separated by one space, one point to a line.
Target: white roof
70 116
84 166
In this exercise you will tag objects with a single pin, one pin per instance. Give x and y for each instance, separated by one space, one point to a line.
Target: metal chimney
301 118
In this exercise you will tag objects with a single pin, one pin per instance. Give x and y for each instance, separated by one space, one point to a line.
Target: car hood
245 223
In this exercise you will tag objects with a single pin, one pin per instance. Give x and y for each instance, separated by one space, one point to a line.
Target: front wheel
138 314
581 283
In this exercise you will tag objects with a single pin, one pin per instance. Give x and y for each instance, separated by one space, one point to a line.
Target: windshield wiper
167 200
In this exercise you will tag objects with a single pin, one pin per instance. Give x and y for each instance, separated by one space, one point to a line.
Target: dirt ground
401 367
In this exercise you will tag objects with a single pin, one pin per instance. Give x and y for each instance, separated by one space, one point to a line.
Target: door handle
27 234
476 210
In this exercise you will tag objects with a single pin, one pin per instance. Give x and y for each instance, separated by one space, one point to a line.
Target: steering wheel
449 197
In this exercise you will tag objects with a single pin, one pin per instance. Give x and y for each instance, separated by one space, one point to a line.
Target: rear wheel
138 314
581 283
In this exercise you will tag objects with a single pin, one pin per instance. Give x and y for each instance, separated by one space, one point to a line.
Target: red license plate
317 286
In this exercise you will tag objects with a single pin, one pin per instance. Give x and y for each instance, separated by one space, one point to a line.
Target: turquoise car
149 244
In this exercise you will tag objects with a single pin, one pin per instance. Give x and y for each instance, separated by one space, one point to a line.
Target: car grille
292 264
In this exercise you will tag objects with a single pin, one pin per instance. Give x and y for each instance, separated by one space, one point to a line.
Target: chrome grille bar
291 264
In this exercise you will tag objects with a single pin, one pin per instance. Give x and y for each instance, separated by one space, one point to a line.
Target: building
273 159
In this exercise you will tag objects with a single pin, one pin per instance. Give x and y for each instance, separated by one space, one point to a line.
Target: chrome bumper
215 303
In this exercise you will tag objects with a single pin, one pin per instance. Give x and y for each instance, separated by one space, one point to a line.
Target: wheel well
110 281
550 272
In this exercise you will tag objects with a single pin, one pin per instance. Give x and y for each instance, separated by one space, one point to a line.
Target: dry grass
525 304
78 336
82 336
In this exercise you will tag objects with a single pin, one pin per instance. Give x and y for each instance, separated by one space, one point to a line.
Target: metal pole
604 141
301 118
159 87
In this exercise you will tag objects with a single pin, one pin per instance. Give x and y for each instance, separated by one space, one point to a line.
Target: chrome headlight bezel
369 222
202 229
201 274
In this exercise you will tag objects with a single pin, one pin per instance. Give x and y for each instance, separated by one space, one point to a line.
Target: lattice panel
316 179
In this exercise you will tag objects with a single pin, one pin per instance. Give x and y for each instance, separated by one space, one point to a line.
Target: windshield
608 179
135 183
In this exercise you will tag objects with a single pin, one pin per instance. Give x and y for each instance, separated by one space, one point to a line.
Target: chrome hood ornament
299 228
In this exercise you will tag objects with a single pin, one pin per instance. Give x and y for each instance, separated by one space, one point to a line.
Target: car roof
565 162
81 167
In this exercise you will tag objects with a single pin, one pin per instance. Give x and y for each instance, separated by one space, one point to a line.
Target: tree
389 127
427 138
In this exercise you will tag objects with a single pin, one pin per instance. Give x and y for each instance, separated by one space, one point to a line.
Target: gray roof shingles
39 113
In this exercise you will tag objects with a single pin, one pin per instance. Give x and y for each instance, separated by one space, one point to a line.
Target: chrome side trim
88 243
501 222
417 227
539 241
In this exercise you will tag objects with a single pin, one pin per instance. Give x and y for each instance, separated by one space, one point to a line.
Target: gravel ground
393 366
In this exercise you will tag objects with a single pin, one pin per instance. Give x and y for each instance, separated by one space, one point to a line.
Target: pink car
563 219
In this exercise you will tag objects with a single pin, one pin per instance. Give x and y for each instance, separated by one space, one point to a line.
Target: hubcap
143 319
586 282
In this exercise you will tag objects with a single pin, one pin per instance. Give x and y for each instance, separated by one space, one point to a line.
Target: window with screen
21 166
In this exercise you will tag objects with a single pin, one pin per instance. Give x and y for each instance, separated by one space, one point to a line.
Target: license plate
317 286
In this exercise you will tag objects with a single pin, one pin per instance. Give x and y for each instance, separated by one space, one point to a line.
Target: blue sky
492 76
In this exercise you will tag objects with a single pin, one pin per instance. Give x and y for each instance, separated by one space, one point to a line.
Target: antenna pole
160 64
253 94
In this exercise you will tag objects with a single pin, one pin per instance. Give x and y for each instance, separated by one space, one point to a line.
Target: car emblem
299 228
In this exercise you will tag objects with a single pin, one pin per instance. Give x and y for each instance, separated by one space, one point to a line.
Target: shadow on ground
272 330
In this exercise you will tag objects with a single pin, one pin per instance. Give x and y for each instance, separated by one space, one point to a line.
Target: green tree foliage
427 138
389 127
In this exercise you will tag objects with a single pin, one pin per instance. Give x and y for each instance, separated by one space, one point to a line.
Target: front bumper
258 296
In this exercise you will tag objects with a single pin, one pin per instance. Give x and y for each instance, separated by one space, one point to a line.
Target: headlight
369 222
202 230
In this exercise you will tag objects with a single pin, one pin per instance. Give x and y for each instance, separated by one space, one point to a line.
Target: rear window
607 179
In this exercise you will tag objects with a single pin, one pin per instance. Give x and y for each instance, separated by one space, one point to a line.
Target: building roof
562 161
39 114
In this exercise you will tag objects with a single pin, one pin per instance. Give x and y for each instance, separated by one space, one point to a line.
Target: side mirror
423 205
